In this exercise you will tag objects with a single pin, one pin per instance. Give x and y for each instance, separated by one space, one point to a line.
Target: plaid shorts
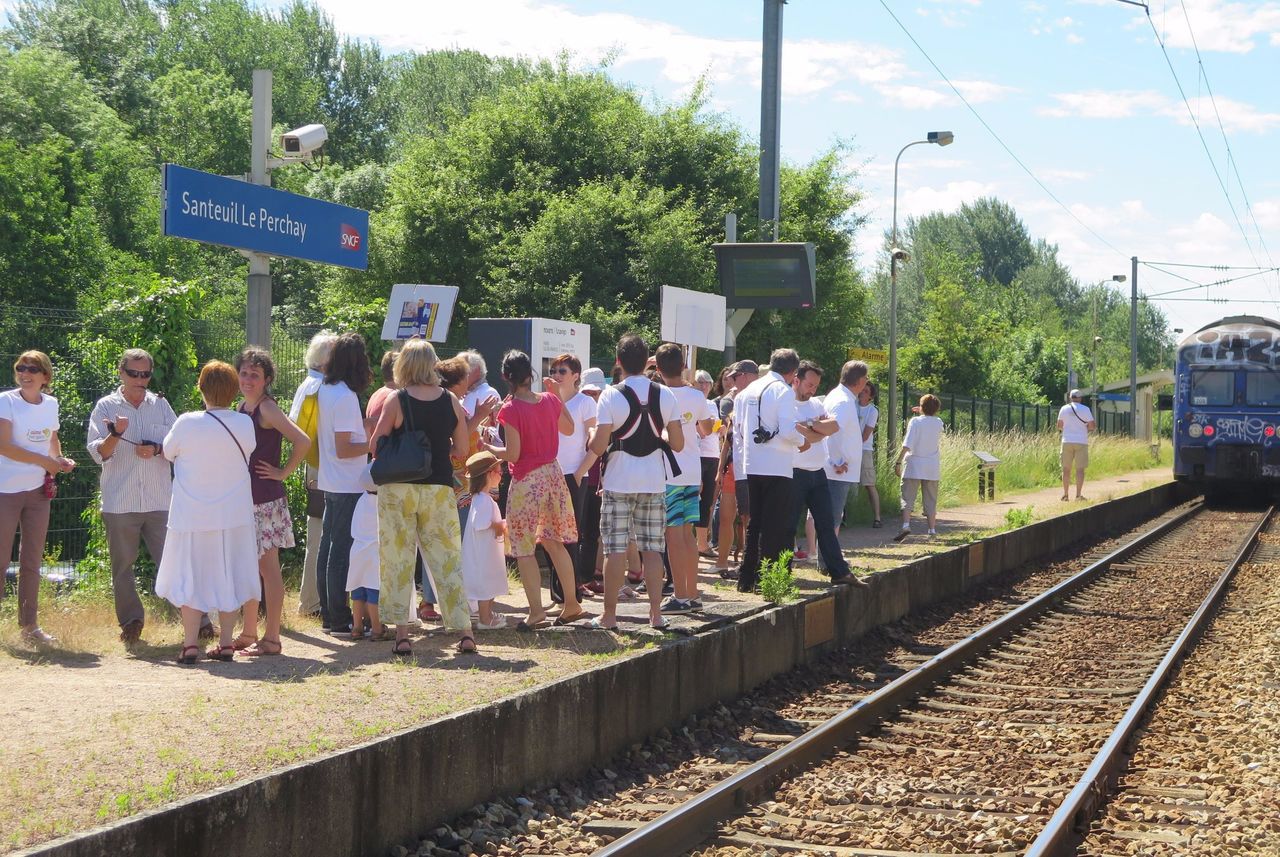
624 516
683 504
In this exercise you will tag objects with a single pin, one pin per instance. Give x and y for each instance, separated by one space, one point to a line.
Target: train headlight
1269 431
1208 431
1195 430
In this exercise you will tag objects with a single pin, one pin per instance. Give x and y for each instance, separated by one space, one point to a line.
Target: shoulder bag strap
233 436
407 423
1076 414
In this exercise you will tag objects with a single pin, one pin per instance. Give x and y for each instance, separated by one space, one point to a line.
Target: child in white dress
484 572
363 569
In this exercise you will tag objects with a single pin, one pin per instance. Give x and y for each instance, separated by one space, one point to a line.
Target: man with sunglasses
125 432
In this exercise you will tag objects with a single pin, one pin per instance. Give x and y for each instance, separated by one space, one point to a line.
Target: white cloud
925 200
1057 175
982 91
1120 104
542 29
910 97
1073 39
1235 115
1220 25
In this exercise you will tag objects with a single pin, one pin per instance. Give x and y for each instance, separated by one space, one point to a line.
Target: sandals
563 620
264 647
244 641
221 653
597 625
428 612
662 624
403 648
190 654
498 624
466 646
380 635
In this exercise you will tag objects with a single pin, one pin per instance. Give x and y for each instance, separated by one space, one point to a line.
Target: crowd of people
416 500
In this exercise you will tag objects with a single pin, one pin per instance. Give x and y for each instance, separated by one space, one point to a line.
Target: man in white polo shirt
844 449
1075 421
766 431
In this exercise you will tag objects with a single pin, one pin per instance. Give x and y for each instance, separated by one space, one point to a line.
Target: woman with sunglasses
30 456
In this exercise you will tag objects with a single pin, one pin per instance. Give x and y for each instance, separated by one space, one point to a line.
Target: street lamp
896 253
1097 340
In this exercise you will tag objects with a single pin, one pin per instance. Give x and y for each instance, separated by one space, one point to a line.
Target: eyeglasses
138 373
562 370
28 368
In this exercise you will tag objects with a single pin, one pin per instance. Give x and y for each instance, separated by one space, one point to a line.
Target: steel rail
1067 827
685 827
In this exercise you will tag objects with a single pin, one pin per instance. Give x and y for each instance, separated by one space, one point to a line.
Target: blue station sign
216 210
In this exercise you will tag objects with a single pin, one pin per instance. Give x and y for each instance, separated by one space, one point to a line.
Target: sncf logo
350 238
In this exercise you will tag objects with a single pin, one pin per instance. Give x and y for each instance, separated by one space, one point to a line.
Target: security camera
899 254
305 140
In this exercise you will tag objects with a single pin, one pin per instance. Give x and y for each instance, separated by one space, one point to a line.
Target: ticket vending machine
541 338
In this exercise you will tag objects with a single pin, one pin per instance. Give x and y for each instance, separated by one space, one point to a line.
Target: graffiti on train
1255 346
1231 429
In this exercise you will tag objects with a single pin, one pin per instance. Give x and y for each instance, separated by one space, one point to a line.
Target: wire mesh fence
972 414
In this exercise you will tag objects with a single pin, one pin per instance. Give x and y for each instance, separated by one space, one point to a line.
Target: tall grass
1027 461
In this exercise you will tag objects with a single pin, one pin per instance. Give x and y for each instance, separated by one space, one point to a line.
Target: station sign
212 209
1113 397
869 355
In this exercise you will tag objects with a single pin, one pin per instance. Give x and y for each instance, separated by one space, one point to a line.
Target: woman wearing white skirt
211 554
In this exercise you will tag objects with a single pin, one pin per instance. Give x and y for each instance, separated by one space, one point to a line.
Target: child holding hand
363 570
484 572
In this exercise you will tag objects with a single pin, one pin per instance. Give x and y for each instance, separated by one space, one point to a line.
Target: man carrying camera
769 437
125 432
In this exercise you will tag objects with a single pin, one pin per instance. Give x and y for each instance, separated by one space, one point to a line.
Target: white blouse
210 476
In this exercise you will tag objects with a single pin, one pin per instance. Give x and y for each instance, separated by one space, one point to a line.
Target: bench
986 475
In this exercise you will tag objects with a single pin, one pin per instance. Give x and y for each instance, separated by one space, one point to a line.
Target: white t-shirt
845 446
339 411
868 415
709 446
815 457
210 475
573 447
924 440
1075 418
690 409
32 429
625 473
482 392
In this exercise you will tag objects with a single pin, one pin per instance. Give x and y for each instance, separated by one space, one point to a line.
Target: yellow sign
869 355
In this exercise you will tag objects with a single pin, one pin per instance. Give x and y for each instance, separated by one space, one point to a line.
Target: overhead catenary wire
996 136
1195 285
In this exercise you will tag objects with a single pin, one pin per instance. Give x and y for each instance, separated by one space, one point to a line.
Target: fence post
991 415
953 412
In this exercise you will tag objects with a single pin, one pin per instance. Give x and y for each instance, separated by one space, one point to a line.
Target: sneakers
499 622
340 630
676 606
903 533
933 532
694 605
799 554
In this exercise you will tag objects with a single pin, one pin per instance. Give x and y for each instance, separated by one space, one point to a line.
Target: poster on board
693 318
419 310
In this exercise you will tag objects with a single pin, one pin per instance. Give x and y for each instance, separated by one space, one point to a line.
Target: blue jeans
840 492
813 493
335 558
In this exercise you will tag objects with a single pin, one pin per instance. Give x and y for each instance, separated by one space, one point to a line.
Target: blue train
1226 403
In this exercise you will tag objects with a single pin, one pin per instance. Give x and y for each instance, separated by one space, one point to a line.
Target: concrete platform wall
360 801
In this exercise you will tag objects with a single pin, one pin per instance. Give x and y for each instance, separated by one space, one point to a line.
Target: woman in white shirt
921 447
210 557
30 454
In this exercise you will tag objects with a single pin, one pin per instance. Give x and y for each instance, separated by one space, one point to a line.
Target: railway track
979 749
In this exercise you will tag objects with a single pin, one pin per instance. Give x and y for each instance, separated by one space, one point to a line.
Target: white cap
592 379
1075 394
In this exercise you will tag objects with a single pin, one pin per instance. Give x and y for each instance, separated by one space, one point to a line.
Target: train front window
1212 388
1263 388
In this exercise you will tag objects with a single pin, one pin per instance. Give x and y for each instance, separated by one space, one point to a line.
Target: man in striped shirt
125 433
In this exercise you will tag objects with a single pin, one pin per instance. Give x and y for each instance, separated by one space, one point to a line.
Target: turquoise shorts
682 505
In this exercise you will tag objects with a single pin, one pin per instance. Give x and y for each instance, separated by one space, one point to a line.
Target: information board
775 275
869 355
214 209
692 318
419 310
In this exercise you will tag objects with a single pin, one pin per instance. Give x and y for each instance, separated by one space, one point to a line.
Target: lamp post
1093 383
896 253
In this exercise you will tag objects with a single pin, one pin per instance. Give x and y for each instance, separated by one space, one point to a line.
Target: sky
1078 91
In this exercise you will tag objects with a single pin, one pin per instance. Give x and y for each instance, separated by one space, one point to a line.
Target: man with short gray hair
478 389
125 433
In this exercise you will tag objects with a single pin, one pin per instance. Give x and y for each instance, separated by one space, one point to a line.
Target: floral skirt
274 525
539 507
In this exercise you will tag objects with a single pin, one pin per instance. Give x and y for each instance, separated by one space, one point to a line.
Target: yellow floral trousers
410 516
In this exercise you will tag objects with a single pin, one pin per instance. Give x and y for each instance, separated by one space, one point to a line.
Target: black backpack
641 432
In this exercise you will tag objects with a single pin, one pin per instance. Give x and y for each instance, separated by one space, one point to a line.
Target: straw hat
481 463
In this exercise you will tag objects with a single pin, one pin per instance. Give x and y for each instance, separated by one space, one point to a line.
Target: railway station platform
149 734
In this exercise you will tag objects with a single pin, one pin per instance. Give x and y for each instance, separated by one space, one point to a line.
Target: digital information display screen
767 275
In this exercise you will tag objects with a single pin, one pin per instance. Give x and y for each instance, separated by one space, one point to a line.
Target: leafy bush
1015 518
777 582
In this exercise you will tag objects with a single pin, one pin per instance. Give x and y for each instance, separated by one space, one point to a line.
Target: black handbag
404 455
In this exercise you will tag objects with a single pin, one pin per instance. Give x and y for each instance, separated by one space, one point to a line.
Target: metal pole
770 124
258 307
730 334
1071 375
1133 350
